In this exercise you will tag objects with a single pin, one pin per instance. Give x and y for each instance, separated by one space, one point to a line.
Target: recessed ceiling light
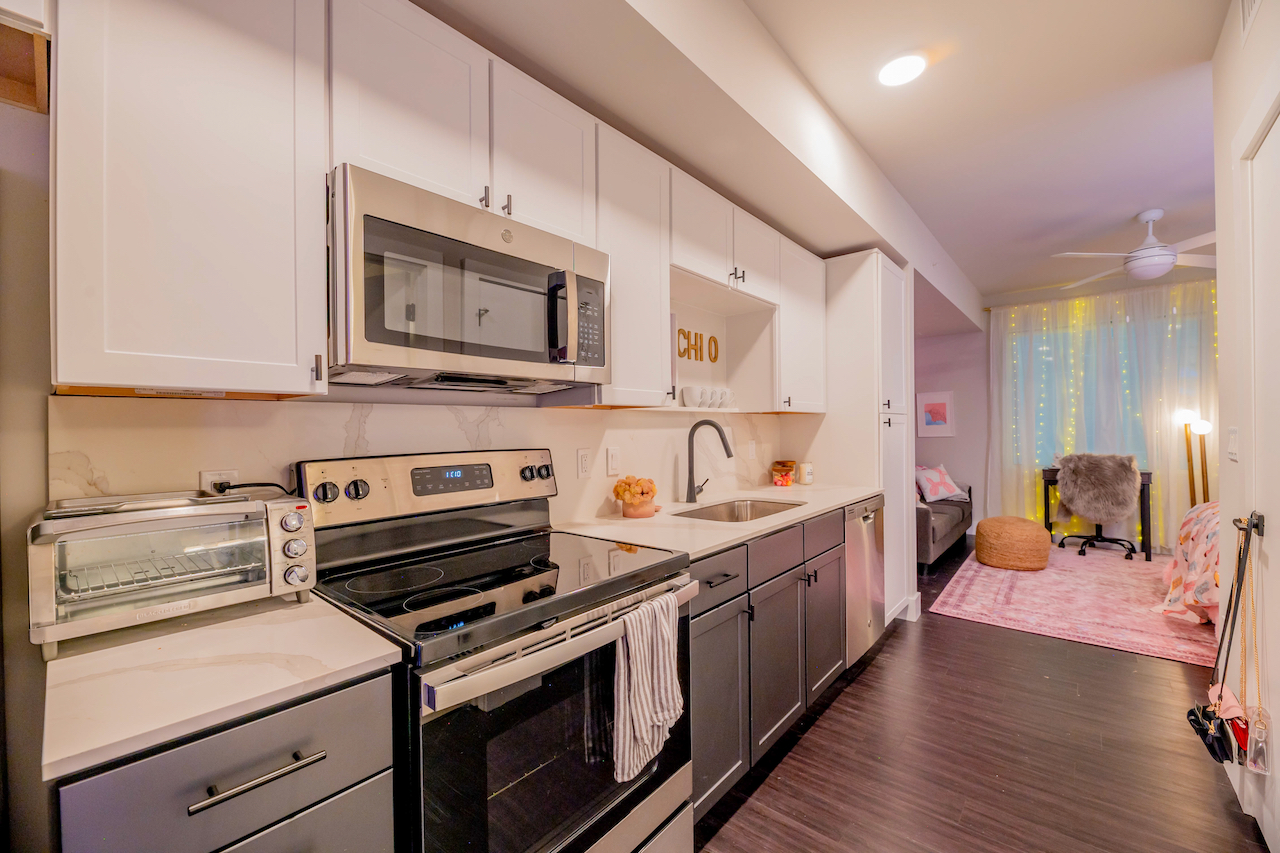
904 69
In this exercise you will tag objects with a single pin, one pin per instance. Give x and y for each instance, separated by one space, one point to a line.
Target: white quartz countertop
113 694
701 538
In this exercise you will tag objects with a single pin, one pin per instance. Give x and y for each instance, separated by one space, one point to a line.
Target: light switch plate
751 449
586 570
615 562
584 463
612 461
1233 444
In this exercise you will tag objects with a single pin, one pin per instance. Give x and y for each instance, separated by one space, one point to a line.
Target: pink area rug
1101 599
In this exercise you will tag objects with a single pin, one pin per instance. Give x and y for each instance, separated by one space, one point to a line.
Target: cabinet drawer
823 533
722 577
143 807
359 820
774 554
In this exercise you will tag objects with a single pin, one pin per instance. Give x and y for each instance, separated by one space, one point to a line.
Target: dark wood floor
959 736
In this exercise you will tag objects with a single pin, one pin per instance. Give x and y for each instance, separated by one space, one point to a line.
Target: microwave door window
504 312
416 296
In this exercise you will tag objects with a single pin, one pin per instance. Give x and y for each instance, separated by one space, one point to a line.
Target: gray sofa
941 524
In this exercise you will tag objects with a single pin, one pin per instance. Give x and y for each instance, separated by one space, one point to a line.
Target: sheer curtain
1103 374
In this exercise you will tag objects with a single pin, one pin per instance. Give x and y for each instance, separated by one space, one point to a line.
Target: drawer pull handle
722 579
215 798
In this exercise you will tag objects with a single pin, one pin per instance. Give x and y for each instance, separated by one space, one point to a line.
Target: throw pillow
936 484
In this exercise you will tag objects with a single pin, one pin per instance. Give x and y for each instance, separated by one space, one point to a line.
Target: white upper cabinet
756 256
701 229
802 344
895 338
26 14
635 228
544 157
189 203
410 98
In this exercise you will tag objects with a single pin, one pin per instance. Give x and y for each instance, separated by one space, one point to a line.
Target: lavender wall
958 363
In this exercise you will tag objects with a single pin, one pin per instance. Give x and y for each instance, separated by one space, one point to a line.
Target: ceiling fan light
904 69
1147 268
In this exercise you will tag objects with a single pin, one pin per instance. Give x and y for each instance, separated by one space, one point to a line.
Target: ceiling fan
1152 259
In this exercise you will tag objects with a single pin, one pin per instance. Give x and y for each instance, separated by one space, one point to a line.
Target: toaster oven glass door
425 291
99 574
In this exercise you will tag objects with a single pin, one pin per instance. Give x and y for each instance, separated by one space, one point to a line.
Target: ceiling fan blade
1093 278
1091 255
1196 242
1206 261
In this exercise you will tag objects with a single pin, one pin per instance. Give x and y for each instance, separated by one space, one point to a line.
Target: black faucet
691 496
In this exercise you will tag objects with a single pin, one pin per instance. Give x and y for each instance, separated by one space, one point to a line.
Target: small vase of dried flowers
637 497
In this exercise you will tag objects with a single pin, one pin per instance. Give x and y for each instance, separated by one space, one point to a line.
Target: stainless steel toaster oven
97 564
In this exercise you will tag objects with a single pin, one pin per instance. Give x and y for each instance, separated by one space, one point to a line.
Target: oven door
425 284
527 767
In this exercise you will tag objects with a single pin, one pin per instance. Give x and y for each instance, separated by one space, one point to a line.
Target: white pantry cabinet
895 340
410 98
189 195
897 464
544 157
635 231
756 257
701 229
802 343
30 15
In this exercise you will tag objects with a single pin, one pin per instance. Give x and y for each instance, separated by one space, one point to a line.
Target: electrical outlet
751 449
586 570
1233 444
613 461
208 478
584 463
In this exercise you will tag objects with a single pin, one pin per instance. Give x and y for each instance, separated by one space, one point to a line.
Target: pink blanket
1191 577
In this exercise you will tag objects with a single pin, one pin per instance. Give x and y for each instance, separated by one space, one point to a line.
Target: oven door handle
445 687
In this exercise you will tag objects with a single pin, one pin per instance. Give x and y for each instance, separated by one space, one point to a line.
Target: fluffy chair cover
1099 487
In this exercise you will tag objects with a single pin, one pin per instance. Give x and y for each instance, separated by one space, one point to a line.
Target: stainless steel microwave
428 292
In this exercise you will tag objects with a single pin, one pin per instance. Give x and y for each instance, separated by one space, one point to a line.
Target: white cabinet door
27 14
897 462
410 98
544 157
895 338
189 174
756 256
634 208
701 229
802 343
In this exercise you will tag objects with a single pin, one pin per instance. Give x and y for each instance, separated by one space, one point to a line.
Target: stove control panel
369 488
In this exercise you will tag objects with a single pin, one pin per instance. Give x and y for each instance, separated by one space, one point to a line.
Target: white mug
692 396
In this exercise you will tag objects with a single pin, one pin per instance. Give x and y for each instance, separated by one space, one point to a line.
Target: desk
1050 476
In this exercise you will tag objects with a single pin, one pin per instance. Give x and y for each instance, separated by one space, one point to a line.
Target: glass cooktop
425 596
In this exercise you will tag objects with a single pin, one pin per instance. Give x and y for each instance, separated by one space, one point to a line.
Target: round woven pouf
1006 542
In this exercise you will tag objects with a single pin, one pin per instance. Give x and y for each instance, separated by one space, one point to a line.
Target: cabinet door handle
725 578
507 206
889 422
886 404
216 798
318 370
751 613
484 199
787 401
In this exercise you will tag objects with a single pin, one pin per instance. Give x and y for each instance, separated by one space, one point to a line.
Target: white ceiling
1039 127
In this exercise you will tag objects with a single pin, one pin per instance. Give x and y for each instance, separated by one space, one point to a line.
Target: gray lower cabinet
216 790
719 709
359 820
824 620
778 684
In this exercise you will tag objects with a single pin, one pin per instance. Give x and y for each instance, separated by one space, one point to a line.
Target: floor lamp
1186 417
1202 428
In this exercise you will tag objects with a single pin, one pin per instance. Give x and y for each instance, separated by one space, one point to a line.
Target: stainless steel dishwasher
864 585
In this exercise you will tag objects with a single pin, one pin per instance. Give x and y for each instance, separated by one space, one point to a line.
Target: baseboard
908 609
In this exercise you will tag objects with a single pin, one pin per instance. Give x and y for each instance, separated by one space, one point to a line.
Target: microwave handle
571 315
442 689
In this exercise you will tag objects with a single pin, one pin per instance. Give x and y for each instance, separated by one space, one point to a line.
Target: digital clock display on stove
450 478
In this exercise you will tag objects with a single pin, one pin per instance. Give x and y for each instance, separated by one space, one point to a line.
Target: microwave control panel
591 343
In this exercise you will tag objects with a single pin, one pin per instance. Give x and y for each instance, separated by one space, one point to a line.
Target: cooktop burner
404 580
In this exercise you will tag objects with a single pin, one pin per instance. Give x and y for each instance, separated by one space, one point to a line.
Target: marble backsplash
117 445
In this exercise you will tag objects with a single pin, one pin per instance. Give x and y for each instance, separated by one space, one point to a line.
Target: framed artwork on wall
935 414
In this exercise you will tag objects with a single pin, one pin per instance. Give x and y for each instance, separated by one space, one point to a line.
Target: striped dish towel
646 685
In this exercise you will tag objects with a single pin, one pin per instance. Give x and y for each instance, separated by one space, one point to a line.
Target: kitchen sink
748 510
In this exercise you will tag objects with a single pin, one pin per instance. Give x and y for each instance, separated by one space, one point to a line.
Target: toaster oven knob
292 521
295 548
327 492
358 490
296 575
528 472
544 472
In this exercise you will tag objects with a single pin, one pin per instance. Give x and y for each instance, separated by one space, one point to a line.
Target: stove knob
544 472
327 492
295 548
357 490
530 597
546 591
292 521
296 575
528 472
